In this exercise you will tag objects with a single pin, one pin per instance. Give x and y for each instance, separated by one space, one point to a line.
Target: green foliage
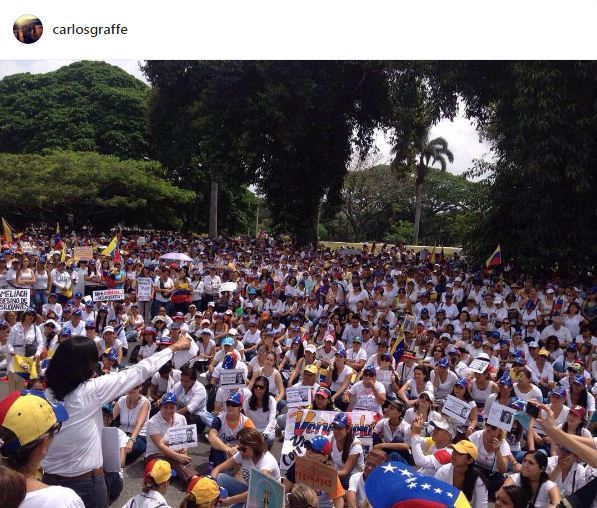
401 231
286 126
97 189
542 120
85 106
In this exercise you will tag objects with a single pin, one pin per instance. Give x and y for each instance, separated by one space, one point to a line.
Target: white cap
233 332
550 291
109 329
311 348
458 279
483 356
329 338
498 299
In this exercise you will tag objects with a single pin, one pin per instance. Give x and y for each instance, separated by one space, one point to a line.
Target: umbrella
228 286
176 256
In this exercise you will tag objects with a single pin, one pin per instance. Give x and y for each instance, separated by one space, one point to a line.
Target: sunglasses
259 387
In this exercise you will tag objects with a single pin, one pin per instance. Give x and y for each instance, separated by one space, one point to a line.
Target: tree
429 152
98 189
288 127
85 106
540 118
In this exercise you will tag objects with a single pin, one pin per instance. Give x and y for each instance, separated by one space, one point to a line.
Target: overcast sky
461 135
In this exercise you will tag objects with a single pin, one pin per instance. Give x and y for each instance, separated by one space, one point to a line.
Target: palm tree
428 152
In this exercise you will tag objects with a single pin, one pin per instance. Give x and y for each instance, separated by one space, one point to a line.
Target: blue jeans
139 447
93 491
280 405
39 298
207 418
234 487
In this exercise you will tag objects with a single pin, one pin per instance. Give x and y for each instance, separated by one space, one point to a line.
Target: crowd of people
398 334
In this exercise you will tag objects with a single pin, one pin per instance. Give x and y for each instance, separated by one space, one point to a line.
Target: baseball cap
543 352
572 347
329 338
311 348
357 339
149 330
576 367
159 470
369 369
233 332
25 417
179 315
579 379
505 380
578 411
164 340
342 421
205 489
341 352
109 329
443 425
311 369
429 394
323 392
466 447
236 399
65 332
443 362
558 391
227 341
169 398
462 382
175 326
319 444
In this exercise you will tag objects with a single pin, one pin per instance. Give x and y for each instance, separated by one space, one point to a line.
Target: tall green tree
85 106
429 152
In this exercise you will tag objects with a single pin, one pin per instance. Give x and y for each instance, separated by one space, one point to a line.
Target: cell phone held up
532 411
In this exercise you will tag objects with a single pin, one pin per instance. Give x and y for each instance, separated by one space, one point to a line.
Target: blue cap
319 444
572 347
357 339
369 369
65 332
558 391
227 341
495 334
341 352
478 336
77 312
103 308
443 362
462 382
113 355
518 403
235 398
342 420
169 398
90 323
43 259
31 310
78 295
229 362
505 380
519 357
297 339
579 379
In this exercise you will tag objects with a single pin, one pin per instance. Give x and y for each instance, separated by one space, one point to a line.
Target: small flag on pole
495 259
398 348
112 246
7 235
433 255
58 244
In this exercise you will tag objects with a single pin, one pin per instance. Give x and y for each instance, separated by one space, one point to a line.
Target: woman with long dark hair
347 451
534 479
338 378
75 457
260 407
512 496
463 473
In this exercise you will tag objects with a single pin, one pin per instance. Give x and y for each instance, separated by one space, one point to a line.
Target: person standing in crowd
75 457
28 426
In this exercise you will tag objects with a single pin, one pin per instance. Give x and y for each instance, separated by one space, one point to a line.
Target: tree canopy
85 106
97 189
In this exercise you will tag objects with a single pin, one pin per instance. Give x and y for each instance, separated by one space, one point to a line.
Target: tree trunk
419 202
213 209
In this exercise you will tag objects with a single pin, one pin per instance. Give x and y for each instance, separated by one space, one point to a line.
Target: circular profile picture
28 29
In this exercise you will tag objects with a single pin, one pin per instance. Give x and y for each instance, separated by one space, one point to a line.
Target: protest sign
457 409
108 295
141 240
232 377
316 475
144 289
14 299
479 365
183 357
84 253
299 396
182 436
304 424
501 417
111 449
264 491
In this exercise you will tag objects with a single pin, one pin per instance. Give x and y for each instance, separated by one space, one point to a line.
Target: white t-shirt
355 449
542 497
479 500
153 499
365 400
356 484
336 385
157 425
51 497
266 463
575 480
485 459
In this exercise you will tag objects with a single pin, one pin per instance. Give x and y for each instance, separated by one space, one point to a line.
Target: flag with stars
395 485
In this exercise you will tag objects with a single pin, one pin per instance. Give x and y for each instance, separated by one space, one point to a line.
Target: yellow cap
543 352
311 368
204 489
159 470
466 447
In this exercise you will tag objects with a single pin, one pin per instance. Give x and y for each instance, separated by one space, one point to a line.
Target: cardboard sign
304 424
479 365
14 299
299 396
316 475
501 417
108 295
84 253
181 436
144 285
458 410
232 377
264 491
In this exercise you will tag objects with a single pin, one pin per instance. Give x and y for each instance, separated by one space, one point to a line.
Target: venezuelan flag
58 244
495 259
7 235
398 348
112 246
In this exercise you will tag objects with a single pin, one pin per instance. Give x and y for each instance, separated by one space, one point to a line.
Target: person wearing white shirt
355 495
191 396
133 409
155 484
449 307
356 356
75 457
369 394
353 330
558 329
